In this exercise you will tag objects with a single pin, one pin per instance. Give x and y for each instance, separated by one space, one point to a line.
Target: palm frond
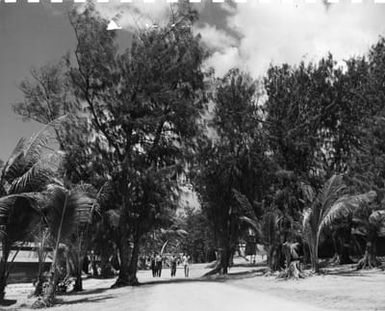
26 154
80 208
345 206
331 191
41 140
35 179
7 201
10 169
18 215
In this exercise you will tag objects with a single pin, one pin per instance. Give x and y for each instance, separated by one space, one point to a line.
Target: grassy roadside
338 288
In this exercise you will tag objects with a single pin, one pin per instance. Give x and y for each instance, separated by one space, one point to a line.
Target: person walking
173 262
158 263
153 266
186 266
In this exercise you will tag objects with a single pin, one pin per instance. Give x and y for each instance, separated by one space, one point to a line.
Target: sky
248 35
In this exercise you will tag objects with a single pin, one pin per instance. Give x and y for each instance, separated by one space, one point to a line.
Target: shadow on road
83 300
8 302
214 278
88 292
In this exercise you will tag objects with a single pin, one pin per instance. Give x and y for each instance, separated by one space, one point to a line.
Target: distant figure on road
158 263
153 265
173 262
185 262
86 262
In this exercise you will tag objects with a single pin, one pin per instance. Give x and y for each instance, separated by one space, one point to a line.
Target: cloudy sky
248 35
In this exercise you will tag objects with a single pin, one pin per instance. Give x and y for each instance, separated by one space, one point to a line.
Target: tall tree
232 174
48 95
144 105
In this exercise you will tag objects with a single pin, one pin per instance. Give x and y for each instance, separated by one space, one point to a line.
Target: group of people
156 265
173 260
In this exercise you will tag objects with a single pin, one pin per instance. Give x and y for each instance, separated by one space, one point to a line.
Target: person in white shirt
186 266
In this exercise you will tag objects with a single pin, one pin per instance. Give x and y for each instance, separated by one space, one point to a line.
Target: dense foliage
286 160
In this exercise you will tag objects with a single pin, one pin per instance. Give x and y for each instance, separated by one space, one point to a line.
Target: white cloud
137 14
269 33
223 61
276 33
215 38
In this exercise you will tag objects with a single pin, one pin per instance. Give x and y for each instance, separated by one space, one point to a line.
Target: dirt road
163 294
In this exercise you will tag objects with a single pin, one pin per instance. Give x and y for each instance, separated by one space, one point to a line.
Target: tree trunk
314 255
40 279
286 249
222 262
370 260
275 257
3 278
133 267
78 287
124 255
3 268
39 285
49 293
225 260
293 271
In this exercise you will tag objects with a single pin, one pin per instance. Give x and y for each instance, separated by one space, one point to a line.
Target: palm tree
80 239
320 206
30 168
19 214
278 229
41 239
68 214
368 220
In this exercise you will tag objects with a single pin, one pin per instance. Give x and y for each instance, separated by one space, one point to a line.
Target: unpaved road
163 294
211 296
186 296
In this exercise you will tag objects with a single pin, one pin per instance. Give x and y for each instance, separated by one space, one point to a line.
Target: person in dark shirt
173 262
153 265
158 263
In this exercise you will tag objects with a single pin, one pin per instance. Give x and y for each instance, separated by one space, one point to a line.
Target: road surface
165 294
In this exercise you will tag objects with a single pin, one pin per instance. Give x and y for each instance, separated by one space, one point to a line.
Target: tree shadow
62 302
347 270
7 302
213 278
88 292
250 264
